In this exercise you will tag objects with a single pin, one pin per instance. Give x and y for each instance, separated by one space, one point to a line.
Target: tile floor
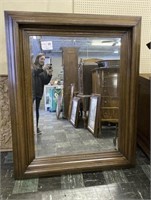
122 184
59 137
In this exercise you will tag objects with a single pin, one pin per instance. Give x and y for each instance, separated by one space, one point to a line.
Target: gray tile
141 184
115 176
6 192
102 192
25 186
145 193
85 194
6 182
62 195
123 191
26 196
146 170
137 187
90 142
93 179
49 184
82 141
141 158
72 135
75 194
72 181
63 144
8 158
133 171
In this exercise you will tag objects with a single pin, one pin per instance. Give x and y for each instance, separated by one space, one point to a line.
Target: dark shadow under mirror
72 41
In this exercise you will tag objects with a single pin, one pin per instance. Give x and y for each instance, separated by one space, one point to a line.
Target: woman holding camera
41 75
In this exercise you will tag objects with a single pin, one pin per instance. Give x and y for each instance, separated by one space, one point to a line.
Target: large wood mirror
20 27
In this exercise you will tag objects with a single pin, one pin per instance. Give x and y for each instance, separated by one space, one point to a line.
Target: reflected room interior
97 65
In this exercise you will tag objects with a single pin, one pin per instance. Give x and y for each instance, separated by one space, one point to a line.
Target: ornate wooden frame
21 25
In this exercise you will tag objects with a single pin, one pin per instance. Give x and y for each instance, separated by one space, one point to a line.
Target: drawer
110 71
110 91
111 81
108 113
110 102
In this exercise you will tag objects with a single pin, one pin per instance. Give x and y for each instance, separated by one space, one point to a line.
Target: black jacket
39 79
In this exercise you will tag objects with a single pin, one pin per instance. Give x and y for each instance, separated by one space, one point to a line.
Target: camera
50 66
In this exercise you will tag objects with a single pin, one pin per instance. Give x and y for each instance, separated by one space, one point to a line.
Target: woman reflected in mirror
41 75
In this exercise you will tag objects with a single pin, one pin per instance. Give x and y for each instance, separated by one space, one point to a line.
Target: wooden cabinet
108 63
70 64
105 81
85 77
143 116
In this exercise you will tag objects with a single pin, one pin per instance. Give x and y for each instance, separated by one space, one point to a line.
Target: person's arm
45 77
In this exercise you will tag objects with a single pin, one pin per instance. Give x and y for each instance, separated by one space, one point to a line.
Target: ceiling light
101 43
118 44
34 37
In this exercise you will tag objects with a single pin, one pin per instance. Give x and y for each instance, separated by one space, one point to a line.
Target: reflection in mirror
96 62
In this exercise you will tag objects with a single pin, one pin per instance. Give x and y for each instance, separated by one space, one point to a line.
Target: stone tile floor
122 184
59 137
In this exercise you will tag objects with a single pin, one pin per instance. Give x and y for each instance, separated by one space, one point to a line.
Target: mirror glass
57 136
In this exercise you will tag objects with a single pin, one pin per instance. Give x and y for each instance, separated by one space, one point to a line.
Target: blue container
53 94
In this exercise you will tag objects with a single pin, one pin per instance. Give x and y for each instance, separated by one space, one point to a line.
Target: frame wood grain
71 98
19 27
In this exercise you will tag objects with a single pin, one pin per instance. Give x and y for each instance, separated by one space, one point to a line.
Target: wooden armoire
85 77
70 65
105 81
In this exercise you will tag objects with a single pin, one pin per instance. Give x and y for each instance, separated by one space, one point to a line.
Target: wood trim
73 19
4 75
49 166
19 26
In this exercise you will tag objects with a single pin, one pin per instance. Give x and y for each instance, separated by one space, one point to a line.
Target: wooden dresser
85 77
143 116
105 81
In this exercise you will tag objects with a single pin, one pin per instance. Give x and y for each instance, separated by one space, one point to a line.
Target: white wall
108 7
124 7
61 6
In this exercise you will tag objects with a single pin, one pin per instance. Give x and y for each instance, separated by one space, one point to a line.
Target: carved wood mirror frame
21 25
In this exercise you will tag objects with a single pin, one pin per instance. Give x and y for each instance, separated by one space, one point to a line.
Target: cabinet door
143 117
70 63
105 82
96 82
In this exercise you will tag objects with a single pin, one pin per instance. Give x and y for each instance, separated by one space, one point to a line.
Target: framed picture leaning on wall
75 111
94 115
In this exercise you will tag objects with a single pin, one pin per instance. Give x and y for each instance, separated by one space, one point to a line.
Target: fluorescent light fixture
101 43
118 44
